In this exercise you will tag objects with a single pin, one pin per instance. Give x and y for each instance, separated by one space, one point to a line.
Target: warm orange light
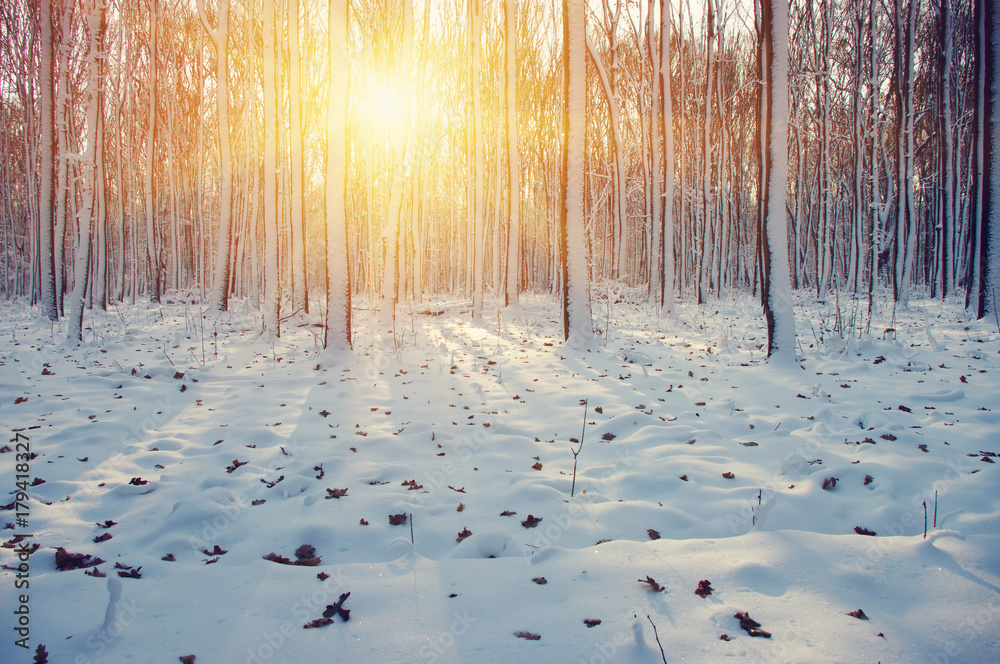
383 106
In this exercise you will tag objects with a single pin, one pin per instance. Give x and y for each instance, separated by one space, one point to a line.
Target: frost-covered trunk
826 182
478 205
685 246
906 223
667 118
616 234
656 207
992 235
269 305
338 290
984 231
575 289
418 220
513 161
707 241
88 163
398 139
853 267
46 190
777 284
223 253
296 150
947 263
66 140
152 255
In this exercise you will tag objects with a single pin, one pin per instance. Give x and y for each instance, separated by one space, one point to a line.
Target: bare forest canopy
401 150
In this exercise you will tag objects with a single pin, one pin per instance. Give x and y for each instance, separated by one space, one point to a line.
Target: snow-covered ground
699 462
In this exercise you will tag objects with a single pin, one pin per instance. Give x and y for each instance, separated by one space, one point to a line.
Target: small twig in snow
657 636
576 452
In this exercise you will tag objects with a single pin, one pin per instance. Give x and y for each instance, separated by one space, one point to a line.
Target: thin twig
576 452
657 636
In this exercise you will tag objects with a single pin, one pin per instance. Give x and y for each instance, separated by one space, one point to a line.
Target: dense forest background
300 156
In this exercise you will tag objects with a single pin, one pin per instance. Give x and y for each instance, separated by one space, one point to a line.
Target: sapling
576 452
657 637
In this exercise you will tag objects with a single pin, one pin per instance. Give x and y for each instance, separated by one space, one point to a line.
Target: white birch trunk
338 291
269 305
95 20
153 264
479 206
781 316
300 294
398 138
577 325
667 250
513 159
223 255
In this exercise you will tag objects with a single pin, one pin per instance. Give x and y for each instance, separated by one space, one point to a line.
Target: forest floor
181 450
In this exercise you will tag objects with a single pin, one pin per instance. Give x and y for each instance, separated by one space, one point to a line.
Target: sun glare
383 105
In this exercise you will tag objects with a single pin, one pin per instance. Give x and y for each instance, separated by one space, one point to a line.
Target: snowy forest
309 158
492 331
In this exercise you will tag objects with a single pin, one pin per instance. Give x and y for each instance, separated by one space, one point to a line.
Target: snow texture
688 433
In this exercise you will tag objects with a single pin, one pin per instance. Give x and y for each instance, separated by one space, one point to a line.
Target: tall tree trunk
223 253
667 120
338 282
947 34
296 149
776 284
95 34
654 284
984 231
399 137
511 292
478 200
269 305
575 289
152 254
46 196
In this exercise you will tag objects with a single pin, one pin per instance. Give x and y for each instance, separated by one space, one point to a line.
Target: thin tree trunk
338 290
300 294
575 289
511 292
269 305
46 195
